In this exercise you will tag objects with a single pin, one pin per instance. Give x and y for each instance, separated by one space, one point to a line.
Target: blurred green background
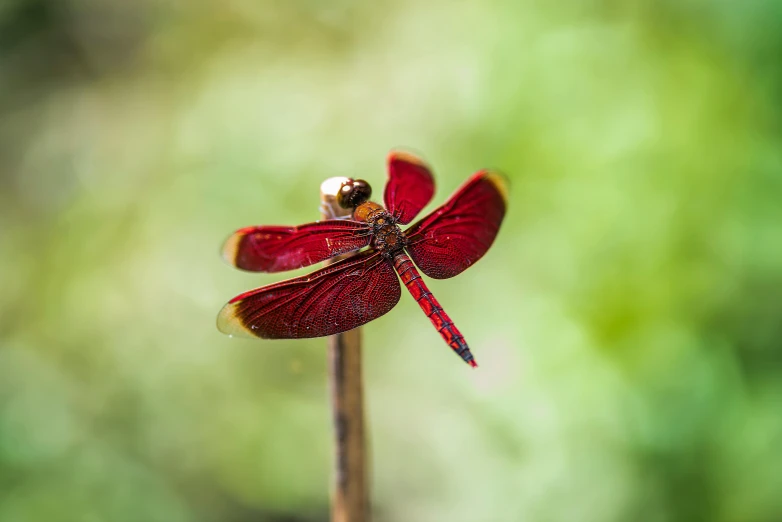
628 320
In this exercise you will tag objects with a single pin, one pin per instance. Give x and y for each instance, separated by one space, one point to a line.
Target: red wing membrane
456 235
410 186
331 300
275 249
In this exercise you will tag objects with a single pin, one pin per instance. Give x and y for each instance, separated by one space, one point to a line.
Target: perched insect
364 286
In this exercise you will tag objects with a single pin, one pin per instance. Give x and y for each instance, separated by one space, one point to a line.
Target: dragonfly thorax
388 237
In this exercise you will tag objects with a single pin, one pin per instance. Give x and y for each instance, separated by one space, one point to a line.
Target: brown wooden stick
350 492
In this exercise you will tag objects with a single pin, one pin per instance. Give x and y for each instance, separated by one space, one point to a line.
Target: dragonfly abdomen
426 300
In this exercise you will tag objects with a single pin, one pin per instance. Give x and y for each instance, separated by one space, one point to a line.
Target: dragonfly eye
353 192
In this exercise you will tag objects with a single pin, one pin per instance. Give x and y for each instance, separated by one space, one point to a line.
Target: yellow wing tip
230 324
230 248
499 181
407 156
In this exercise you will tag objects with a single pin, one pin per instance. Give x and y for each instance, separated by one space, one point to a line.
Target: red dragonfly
364 286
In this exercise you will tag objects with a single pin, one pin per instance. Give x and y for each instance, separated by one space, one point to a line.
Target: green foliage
627 320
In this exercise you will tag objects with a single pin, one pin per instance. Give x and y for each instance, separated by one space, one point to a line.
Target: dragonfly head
353 192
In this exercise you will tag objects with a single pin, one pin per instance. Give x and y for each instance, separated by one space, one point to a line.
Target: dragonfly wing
457 234
334 299
275 249
410 186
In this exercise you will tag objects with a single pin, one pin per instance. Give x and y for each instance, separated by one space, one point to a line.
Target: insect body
364 286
